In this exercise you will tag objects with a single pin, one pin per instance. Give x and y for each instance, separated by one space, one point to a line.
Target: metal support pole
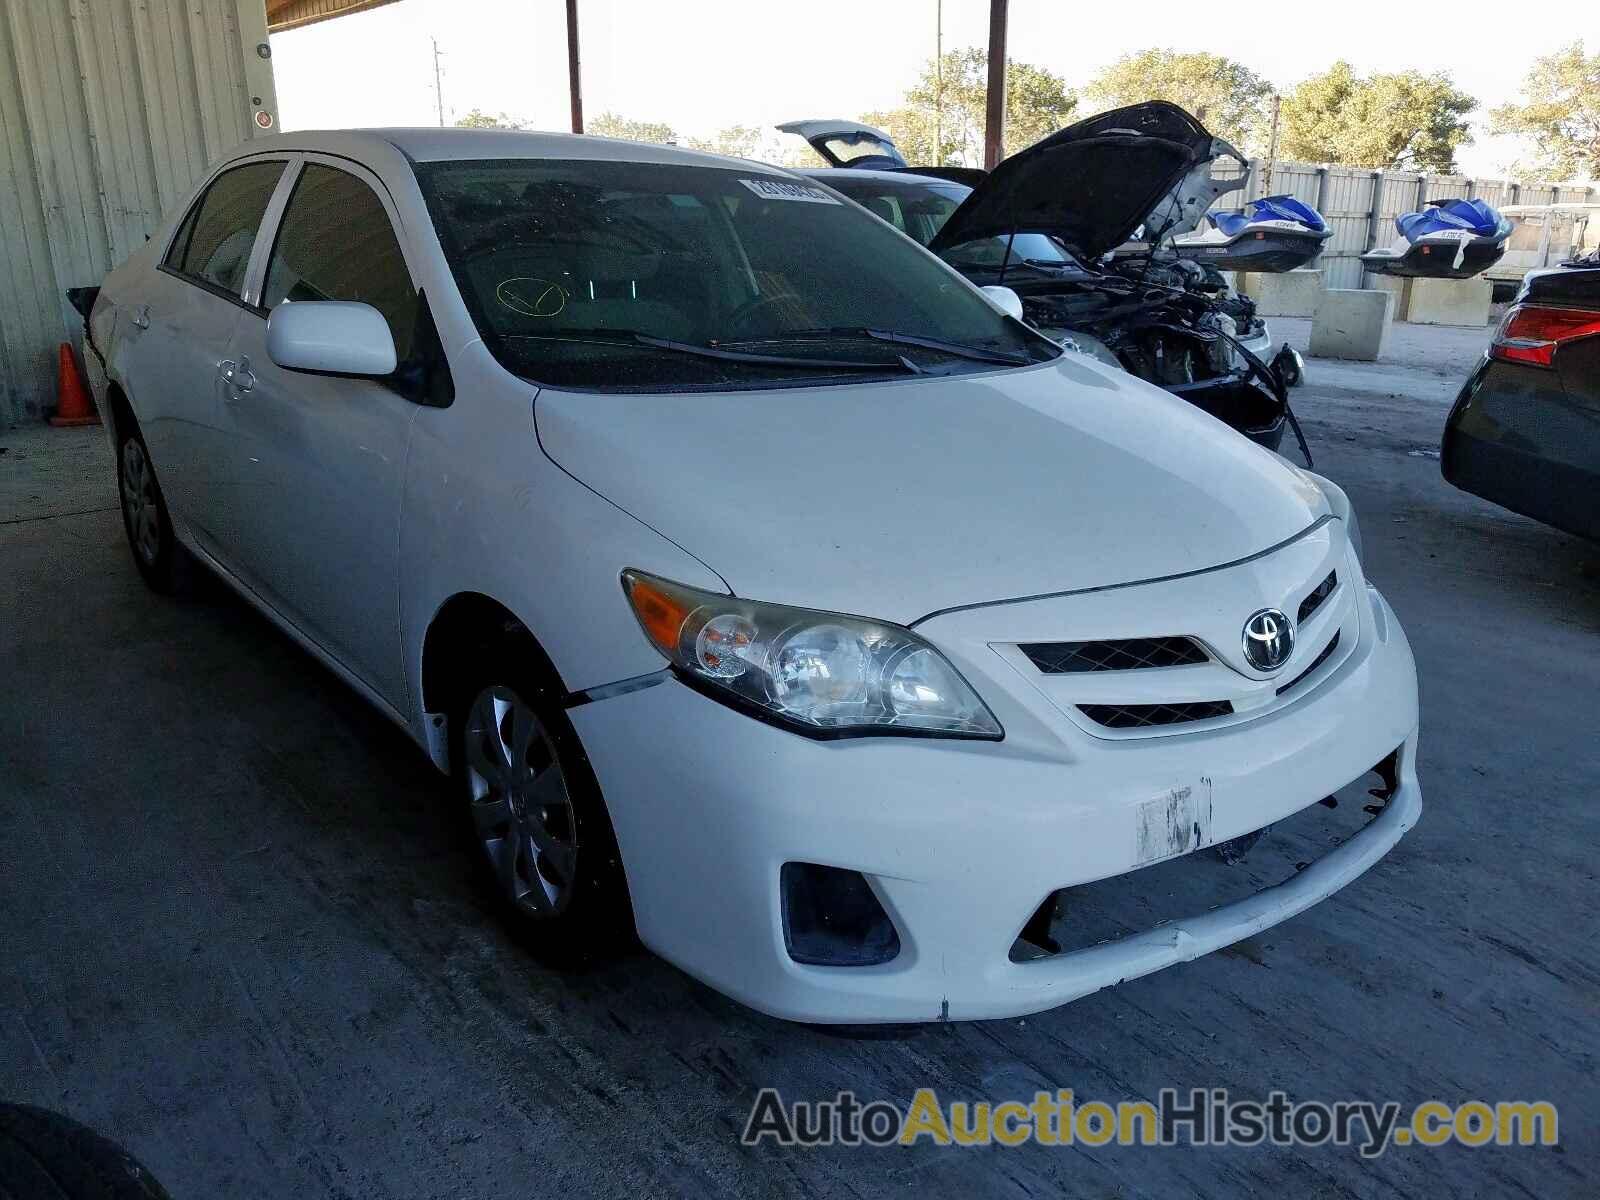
938 83
994 120
1374 216
574 73
1272 143
438 85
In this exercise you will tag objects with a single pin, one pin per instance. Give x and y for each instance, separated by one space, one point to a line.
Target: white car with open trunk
764 586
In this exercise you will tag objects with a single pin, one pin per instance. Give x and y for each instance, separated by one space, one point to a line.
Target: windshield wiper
957 349
633 337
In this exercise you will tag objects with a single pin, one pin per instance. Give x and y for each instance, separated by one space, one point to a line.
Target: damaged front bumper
960 843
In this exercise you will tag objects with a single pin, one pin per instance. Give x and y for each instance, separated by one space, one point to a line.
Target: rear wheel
164 564
535 813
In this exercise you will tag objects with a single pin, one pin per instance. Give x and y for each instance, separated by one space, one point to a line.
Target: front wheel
164 564
535 811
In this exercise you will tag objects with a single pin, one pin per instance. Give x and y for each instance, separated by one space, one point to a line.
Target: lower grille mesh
1140 716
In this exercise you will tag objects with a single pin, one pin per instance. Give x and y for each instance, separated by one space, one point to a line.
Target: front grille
1333 644
1314 601
1126 654
1140 716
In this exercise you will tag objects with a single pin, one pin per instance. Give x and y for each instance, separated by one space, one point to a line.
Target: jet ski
1273 234
1448 239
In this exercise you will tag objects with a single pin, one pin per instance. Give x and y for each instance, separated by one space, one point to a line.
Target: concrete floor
239 933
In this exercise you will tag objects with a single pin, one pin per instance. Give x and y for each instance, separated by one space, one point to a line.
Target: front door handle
237 375
141 317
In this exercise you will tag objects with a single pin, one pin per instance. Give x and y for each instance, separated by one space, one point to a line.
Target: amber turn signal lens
660 613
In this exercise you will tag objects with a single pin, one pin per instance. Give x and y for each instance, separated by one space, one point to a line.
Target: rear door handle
141 317
237 375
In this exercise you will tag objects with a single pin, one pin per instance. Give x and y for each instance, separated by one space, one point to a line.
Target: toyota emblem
1268 639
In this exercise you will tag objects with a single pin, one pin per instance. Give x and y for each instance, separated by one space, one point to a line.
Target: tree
1560 113
942 119
478 119
1406 119
736 141
615 125
1229 99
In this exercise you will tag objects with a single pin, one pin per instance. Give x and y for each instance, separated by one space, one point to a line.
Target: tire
532 807
46 1156
163 562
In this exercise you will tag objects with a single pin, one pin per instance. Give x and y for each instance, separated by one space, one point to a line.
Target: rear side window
213 244
336 243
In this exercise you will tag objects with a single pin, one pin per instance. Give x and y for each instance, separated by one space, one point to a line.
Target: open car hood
1093 184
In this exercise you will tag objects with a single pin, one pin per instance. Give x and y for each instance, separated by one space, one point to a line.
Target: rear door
316 462
180 325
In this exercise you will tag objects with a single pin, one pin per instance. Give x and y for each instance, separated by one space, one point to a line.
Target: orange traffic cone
73 406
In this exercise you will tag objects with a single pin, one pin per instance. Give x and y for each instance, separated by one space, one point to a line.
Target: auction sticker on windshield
782 189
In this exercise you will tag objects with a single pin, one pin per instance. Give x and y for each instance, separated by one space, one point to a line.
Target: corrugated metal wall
109 110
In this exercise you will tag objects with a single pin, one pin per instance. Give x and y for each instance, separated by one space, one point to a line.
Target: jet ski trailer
1273 234
1448 239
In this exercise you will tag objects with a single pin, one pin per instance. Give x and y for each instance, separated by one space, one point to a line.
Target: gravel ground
240 935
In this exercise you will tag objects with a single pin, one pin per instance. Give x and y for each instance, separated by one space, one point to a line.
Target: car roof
428 144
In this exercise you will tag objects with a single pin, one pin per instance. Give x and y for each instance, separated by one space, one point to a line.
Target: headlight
823 673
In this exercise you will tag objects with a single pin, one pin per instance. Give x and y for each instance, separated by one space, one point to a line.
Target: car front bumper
1260 344
962 841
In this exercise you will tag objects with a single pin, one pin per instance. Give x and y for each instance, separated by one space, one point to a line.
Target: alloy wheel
139 502
521 808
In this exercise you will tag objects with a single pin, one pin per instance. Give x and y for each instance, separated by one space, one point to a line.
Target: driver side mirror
335 337
1005 300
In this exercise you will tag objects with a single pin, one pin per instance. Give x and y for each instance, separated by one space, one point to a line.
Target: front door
316 461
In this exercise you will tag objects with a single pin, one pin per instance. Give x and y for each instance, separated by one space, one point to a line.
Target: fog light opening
832 918
1036 940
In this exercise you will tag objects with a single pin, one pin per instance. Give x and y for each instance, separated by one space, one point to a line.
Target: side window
214 242
336 243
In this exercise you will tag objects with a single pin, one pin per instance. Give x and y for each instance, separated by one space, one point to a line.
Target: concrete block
1351 324
1397 287
1288 294
1449 301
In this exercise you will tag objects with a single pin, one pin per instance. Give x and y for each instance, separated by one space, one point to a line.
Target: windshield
919 210
642 276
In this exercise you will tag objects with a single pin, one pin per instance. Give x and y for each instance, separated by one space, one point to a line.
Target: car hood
1094 183
900 498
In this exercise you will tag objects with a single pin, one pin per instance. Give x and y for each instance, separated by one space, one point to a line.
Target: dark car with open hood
1051 223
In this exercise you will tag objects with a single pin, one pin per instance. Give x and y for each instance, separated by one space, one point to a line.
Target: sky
703 65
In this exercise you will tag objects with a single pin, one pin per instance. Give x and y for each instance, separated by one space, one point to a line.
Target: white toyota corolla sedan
761 584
